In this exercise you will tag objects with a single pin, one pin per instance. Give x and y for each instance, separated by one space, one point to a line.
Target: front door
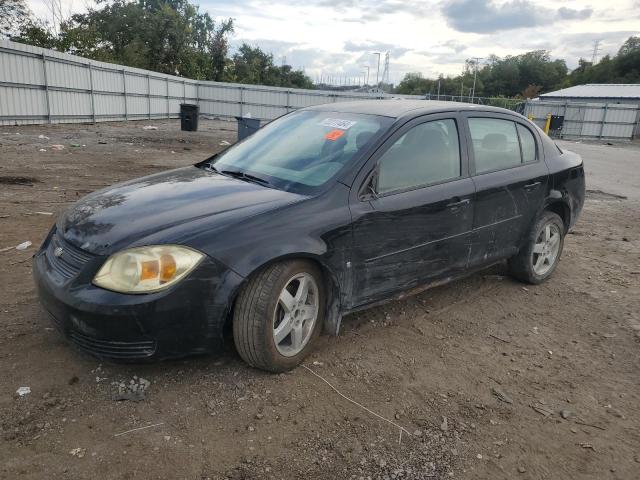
414 213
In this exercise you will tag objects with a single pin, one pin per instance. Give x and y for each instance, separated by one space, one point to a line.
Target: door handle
532 186
458 203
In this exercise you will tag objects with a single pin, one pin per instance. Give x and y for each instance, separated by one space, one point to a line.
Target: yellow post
547 124
530 116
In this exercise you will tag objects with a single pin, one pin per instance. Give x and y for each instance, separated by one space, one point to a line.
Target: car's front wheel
540 254
279 315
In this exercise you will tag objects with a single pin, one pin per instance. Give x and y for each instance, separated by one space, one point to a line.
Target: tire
524 266
260 309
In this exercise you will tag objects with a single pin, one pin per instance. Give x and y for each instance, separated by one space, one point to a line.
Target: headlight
146 269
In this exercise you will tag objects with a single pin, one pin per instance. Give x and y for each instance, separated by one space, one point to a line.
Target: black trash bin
247 126
557 121
189 117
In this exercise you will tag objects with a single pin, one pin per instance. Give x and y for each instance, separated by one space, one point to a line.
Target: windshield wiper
242 176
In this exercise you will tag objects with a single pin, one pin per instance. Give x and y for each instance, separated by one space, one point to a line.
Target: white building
597 93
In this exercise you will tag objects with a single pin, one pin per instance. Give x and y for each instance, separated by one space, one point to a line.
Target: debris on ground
78 452
565 413
43 137
57 147
500 395
149 127
587 445
444 426
224 143
22 391
24 245
139 428
542 409
134 391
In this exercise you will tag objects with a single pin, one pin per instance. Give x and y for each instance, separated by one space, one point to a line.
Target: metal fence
502 102
44 86
588 120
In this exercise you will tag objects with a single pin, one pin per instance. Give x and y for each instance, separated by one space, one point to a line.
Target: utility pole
596 47
438 87
378 70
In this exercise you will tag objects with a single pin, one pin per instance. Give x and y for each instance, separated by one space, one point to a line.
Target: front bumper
188 318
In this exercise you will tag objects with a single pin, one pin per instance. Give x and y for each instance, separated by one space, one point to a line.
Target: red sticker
333 135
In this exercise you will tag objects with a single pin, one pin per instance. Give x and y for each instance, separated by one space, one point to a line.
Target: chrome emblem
58 251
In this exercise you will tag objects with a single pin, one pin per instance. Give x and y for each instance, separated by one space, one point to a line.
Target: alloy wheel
296 314
546 249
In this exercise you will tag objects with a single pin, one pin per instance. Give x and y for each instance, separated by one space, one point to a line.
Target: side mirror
368 192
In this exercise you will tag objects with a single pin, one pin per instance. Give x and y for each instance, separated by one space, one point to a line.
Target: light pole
378 70
475 75
367 81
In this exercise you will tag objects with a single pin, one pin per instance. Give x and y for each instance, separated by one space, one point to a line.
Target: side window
495 144
527 143
428 153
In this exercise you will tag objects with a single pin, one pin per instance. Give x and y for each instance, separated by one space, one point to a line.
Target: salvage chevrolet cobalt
322 212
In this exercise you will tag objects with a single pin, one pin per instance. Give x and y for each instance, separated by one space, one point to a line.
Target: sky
338 37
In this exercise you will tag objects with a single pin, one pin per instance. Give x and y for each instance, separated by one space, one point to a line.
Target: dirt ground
490 378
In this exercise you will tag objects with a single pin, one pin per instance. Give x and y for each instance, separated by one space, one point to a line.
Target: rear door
511 181
412 210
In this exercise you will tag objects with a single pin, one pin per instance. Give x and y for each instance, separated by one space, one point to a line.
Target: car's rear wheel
541 251
279 315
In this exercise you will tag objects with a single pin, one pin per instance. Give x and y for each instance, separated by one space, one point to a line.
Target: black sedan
322 212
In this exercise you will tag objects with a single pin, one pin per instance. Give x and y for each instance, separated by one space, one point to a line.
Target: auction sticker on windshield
338 123
333 135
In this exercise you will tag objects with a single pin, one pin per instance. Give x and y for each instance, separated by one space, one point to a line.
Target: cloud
572 14
486 16
372 46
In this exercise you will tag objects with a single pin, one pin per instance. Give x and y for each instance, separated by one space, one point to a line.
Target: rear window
495 144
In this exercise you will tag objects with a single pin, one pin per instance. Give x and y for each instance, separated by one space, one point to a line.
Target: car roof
396 108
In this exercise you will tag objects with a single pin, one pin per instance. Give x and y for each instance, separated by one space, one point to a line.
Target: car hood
130 213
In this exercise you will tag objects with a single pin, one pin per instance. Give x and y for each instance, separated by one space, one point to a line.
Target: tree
415 84
254 66
168 36
14 14
624 67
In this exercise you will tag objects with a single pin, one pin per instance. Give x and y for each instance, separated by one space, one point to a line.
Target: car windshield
301 151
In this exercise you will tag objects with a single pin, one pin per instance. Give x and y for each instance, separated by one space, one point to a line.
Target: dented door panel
506 203
405 240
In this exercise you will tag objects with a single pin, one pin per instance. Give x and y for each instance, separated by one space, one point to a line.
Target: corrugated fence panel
108 81
21 69
191 90
136 84
137 106
109 106
17 101
176 89
68 76
219 109
588 120
158 86
70 104
159 107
